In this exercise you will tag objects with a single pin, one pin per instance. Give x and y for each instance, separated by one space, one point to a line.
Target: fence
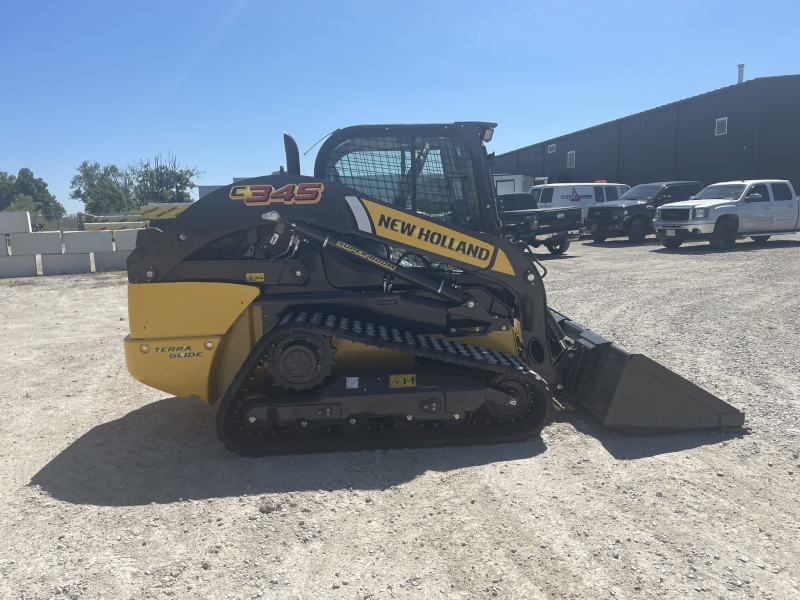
24 253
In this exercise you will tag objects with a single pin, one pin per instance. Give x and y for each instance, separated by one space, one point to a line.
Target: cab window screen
759 189
780 191
433 176
598 195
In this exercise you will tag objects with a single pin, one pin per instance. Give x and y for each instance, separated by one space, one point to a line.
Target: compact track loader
377 305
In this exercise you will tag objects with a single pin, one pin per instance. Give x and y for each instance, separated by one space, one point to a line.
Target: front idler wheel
519 398
300 361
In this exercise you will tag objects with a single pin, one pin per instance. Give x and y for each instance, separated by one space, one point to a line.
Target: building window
571 159
721 127
551 148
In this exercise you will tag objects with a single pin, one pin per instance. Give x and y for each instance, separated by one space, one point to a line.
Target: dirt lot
109 489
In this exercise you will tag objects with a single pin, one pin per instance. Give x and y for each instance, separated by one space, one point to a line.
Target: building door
784 207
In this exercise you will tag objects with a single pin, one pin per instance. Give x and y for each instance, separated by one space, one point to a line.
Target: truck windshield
642 192
517 201
721 192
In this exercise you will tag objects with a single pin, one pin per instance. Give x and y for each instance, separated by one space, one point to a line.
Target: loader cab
439 171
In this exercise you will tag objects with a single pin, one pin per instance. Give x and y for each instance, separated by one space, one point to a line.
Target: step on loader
377 305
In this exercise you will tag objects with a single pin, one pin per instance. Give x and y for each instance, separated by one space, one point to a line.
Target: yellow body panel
177 322
502 264
355 357
240 339
192 338
165 310
184 373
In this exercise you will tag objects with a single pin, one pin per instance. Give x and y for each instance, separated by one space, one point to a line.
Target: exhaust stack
741 73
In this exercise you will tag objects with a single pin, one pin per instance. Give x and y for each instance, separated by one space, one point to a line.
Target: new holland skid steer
377 305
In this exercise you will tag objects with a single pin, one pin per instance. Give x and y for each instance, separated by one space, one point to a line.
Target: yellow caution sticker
401 381
254 277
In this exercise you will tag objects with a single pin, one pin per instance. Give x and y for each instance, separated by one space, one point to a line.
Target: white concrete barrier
65 264
17 266
3 245
46 242
16 222
126 239
82 242
110 261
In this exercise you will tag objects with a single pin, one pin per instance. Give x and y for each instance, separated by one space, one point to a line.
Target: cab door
756 210
784 207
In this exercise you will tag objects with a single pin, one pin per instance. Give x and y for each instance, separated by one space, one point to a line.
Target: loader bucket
634 394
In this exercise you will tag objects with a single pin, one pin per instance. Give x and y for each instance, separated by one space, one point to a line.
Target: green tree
23 203
25 183
163 180
103 189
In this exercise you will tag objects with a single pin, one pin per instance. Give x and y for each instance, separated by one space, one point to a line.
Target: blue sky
217 82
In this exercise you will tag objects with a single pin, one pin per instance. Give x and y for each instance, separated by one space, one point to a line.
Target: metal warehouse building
750 130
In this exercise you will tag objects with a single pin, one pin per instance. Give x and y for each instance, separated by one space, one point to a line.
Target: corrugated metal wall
678 141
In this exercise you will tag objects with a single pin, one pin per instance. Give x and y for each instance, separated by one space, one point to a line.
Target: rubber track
381 433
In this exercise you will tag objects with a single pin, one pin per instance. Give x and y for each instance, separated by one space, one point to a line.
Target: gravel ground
109 489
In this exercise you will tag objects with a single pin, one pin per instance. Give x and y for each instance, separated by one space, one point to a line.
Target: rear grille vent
675 214
721 127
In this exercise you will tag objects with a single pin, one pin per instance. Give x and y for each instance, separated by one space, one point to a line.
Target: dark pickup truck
632 214
552 227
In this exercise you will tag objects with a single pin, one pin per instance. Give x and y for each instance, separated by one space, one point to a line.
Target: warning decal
254 277
401 381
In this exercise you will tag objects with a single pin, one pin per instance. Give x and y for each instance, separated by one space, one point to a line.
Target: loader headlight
700 213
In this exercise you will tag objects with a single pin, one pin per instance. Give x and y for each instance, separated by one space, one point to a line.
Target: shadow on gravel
612 243
168 450
548 256
696 249
629 447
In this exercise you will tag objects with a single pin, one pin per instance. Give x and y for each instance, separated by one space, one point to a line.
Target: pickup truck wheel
760 239
671 243
724 236
637 231
598 238
558 247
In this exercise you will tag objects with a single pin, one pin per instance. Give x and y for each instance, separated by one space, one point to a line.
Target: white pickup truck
724 212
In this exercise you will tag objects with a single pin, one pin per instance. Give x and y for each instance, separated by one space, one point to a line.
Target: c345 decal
292 193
